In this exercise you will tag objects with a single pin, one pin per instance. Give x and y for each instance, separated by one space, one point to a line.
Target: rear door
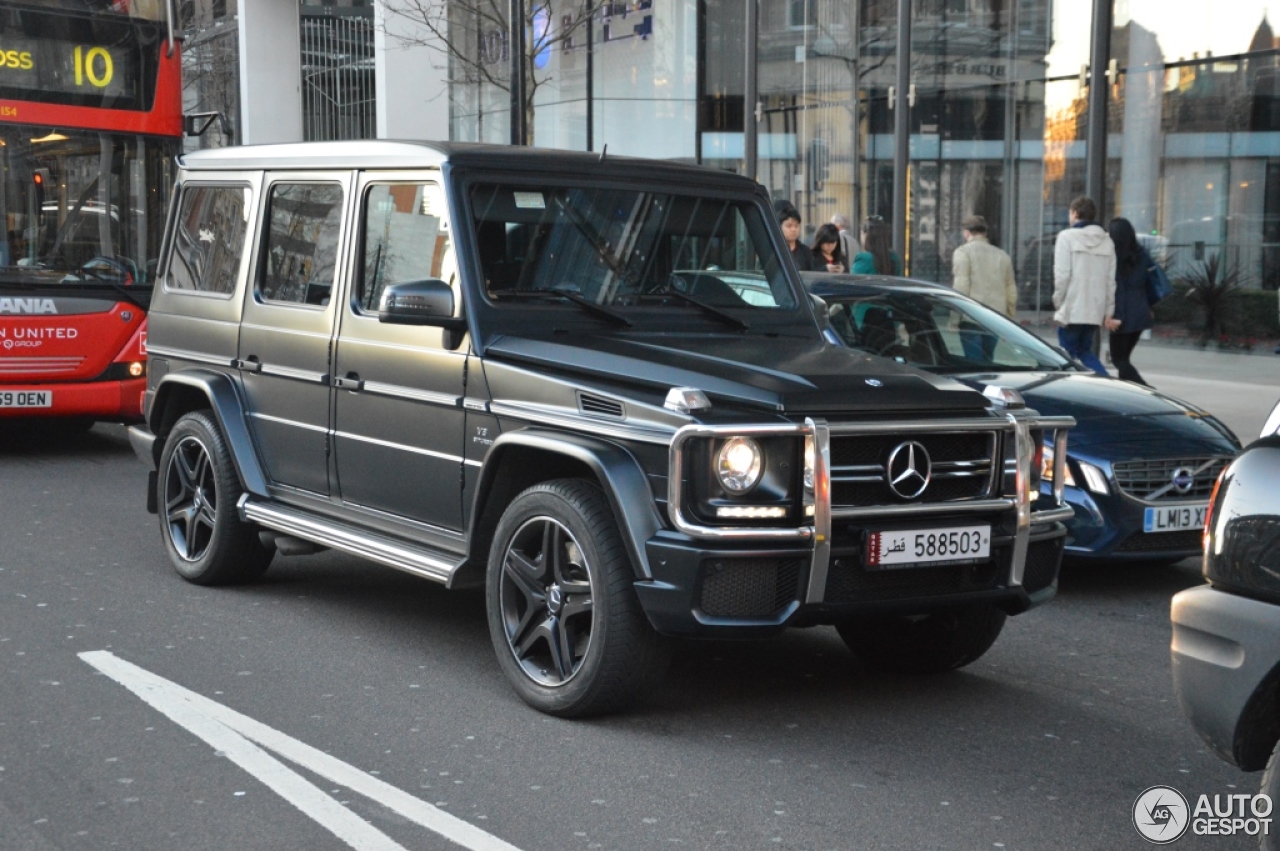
399 419
287 330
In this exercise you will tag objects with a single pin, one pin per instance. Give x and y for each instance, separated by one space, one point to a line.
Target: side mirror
428 302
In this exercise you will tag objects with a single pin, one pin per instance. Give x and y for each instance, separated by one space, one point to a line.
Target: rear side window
301 251
406 238
209 238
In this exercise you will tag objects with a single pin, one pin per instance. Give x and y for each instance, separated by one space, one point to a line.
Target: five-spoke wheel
190 498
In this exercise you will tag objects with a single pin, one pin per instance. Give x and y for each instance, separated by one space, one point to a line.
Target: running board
420 561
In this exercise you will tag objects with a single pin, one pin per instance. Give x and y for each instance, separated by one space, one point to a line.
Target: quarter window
209 239
406 238
301 249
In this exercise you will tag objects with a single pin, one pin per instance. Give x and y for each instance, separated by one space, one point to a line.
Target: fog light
755 512
137 369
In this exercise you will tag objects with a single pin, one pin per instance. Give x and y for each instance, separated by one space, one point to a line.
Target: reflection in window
302 243
209 239
406 238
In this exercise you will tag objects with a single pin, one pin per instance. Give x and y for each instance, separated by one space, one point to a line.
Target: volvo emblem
874 382
909 469
1184 479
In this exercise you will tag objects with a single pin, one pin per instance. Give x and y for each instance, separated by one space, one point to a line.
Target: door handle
351 382
249 364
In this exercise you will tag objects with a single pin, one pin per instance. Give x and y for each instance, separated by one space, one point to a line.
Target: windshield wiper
725 317
586 304
128 296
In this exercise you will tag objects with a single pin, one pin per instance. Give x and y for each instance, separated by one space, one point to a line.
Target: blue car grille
1152 479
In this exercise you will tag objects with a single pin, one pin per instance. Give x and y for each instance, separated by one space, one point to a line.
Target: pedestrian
877 256
789 218
849 245
1084 283
1133 306
826 249
983 272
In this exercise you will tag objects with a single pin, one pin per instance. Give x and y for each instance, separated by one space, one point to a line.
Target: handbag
1158 286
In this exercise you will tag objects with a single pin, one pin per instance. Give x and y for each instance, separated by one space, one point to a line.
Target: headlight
739 465
809 453
1046 469
1094 479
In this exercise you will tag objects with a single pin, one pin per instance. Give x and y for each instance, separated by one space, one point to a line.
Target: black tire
924 644
564 618
1270 841
196 491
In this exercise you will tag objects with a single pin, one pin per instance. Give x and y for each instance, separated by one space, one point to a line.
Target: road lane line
235 734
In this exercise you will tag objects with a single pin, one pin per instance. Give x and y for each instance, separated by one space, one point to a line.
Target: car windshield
621 248
81 207
941 332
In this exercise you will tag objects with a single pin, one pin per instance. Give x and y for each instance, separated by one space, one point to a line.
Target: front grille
848 582
1151 479
961 465
1043 560
39 366
1187 540
749 587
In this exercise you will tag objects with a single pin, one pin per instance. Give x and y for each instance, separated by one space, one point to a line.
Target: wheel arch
521 459
181 393
1258 728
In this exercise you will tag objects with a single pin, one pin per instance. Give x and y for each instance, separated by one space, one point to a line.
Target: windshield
81 207
940 332
620 248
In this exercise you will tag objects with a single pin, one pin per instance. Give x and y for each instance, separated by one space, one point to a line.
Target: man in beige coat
1084 283
985 274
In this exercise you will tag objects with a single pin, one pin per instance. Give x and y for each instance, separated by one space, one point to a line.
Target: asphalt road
1044 743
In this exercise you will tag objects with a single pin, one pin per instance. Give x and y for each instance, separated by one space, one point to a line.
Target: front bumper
118 401
1110 526
1226 668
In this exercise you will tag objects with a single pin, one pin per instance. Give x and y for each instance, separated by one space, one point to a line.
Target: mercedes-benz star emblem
1184 479
909 469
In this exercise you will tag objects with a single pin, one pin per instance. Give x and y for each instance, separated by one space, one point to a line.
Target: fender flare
228 410
618 472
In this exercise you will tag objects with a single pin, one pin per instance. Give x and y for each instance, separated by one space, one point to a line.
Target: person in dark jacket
1132 307
789 218
826 249
877 256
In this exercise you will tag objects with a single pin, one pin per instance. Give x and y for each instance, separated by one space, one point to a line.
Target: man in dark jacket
801 254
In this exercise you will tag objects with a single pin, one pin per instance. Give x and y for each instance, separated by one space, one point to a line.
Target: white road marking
235 734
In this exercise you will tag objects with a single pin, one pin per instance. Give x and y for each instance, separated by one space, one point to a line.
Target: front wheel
197 492
924 644
563 616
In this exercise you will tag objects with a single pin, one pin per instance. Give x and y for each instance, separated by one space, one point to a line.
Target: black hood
795 376
1123 417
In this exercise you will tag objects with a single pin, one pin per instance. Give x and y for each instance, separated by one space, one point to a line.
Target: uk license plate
26 398
917 547
1174 518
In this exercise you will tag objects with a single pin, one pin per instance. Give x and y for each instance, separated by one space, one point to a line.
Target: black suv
591 385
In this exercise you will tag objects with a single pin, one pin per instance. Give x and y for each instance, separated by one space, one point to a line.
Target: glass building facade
999 108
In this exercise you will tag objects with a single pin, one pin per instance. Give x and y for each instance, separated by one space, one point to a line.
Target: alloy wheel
547 602
190 499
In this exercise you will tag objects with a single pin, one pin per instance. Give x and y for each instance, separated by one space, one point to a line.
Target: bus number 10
94 64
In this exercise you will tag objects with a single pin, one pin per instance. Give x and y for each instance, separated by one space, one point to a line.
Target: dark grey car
593 386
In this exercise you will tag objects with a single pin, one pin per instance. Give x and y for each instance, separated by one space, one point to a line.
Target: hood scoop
601 406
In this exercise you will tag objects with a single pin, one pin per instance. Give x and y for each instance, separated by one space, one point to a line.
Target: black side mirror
428 302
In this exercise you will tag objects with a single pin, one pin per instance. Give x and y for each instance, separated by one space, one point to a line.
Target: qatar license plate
26 398
916 547
1174 518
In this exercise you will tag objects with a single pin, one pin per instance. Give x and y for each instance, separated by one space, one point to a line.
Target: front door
399 419
287 332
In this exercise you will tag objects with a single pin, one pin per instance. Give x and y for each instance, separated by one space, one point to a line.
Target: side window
208 238
301 250
406 238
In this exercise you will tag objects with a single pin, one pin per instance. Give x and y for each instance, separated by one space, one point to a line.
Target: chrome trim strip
399 446
187 354
372 547
626 431
821 563
398 391
1059 465
470 463
295 374
283 421
472 404
675 485
972 506
1024 451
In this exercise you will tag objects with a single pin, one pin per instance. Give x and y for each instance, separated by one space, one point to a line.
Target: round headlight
739 465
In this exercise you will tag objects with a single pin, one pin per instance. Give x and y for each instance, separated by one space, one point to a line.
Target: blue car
1141 464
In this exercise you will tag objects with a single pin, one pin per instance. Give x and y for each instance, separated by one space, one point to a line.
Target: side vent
600 406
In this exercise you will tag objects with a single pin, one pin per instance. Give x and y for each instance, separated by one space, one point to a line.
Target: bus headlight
739 465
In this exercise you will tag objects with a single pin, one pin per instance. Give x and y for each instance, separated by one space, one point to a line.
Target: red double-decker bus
90 122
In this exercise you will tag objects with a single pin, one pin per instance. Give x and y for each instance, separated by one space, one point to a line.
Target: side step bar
420 561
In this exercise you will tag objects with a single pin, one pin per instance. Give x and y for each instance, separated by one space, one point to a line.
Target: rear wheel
563 616
197 492
924 644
